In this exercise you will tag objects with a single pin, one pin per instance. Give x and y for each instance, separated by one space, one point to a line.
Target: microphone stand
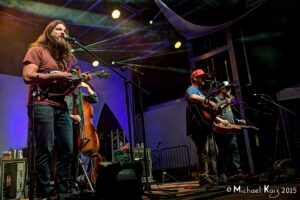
138 75
213 85
271 101
126 82
247 107
31 151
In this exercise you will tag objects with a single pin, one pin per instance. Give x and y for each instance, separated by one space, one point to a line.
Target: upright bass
87 140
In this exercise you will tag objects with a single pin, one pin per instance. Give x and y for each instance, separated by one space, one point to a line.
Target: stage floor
259 189
254 188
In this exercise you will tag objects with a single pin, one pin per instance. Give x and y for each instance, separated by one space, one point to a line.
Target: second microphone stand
280 117
138 75
126 82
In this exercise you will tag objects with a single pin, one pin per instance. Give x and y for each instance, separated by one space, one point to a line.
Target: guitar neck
94 73
81 77
102 73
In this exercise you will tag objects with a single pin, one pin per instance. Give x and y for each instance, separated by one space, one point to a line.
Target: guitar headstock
102 74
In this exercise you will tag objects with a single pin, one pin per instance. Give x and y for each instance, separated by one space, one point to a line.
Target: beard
62 45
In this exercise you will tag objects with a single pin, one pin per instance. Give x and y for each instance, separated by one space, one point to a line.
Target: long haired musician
227 143
50 122
199 118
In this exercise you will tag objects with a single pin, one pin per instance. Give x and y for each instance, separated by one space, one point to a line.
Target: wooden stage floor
258 190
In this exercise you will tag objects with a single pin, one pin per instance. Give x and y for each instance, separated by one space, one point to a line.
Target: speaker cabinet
138 154
12 177
118 181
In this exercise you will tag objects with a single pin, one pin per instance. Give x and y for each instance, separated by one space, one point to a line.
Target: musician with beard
52 125
227 143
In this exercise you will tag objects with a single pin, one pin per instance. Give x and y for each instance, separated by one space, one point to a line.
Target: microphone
68 38
259 95
211 81
230 96
209 76
123 68
212 75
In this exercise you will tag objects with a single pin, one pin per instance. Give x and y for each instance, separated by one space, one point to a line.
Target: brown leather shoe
240 176
243 176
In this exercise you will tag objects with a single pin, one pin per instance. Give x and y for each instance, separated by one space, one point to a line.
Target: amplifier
12 178
138 154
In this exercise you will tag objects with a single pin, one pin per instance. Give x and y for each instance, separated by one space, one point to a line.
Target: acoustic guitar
204 114
231 128
60 88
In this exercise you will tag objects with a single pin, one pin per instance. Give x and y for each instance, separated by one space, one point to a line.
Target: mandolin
231 128
60 88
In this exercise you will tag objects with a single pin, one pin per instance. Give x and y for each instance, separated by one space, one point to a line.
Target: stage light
177 45
151 22
95 63
115 14
113 62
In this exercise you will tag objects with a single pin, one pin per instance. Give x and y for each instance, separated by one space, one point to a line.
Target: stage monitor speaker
118 181
12 177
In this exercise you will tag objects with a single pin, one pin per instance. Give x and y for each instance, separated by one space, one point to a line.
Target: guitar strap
65 64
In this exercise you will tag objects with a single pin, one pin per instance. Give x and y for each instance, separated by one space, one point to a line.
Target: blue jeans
206 154
228 153
53 132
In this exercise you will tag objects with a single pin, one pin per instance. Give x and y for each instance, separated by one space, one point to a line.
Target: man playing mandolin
199 118
227 143
51 124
